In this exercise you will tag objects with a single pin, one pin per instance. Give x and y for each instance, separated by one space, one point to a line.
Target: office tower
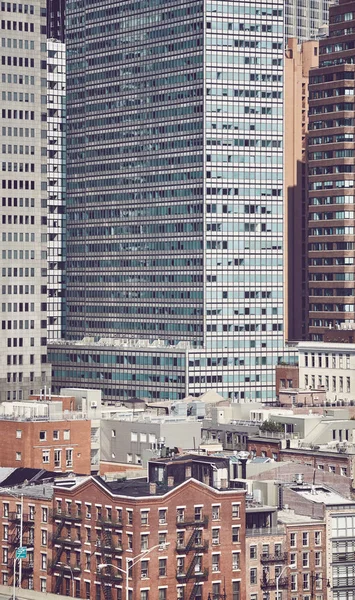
299 60
56 20
305 19
331 163
24 199
56 169
175 183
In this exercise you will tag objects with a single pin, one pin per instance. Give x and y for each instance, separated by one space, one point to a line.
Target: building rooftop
321 495
288 517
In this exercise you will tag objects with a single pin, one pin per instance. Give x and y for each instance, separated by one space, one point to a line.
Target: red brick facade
201 556
32 444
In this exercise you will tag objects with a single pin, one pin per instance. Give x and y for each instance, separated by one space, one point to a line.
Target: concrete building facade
23 363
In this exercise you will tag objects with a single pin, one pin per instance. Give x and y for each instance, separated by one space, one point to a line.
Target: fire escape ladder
191 541
191 568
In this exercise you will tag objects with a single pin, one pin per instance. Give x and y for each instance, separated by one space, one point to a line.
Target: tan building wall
298 62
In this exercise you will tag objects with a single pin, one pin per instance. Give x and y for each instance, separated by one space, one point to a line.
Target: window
5 532
134 436
306 581
44 537
144 569
235 534
215 537
57 458
293 540
5 508
162 539
235 561
215 513
235 511
343 471
162 567
69 457
56 434
253 576
180 515
113 433
305 538
162 516
293 582
215 562
66 434
198 513
317 538
305 559
293 558
253 552
44 562
19 433
318 559
180 539
144 517
162 594
5 556
44 515
180 592
129 517
236 590
144 542
129 457
45 457
18 456
180 565
43 585
42 436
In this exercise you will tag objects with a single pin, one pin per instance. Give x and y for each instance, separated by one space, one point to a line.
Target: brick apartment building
186 514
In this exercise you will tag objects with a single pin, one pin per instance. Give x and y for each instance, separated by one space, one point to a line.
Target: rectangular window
144 517
253 552
235 561
235 511
45 457
162 516
317 538
305 538
293 540
215 513
215 562
162 567
235 534
215 537
253 576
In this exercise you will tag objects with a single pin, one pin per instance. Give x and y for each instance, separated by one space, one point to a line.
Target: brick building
37 526
183 529
34 435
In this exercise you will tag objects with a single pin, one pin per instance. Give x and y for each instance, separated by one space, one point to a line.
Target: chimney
170 481
152 488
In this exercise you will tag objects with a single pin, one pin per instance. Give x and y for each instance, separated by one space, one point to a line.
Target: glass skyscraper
305 18
175 182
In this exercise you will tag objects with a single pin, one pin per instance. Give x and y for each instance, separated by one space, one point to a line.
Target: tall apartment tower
331 165
23 360
304 19
299 60
175 183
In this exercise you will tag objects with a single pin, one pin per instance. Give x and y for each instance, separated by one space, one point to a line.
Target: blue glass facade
175 182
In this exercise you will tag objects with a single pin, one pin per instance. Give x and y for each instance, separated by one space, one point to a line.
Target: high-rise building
56 169
23 361
331 164
175 183
299 59
305 19
56 20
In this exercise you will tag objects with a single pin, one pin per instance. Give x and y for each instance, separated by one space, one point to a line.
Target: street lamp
6 491
130 562
292 566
